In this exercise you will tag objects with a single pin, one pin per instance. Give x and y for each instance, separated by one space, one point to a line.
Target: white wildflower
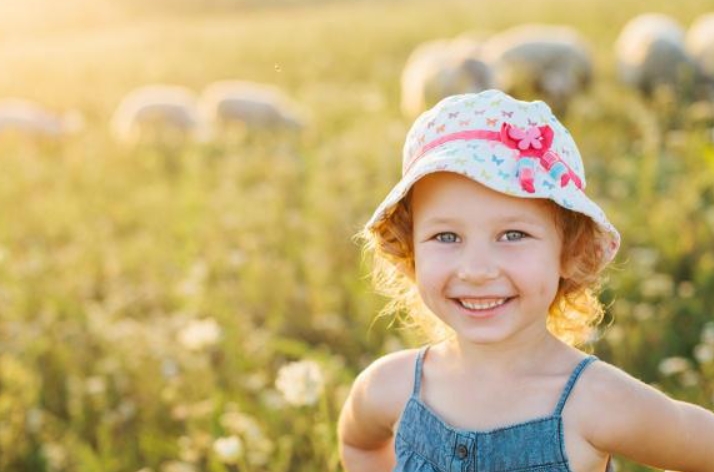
199 334
707 335
674 365
301 383
193 284
228 449
258 446
644 259
260 452
95 385
657 285
55 455
643 311
187 451
614 334
689 379
34 419
177 466
704 353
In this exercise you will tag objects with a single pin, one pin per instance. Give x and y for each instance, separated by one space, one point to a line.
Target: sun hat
514 147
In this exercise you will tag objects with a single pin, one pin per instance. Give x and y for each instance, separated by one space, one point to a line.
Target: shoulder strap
417 370
571 383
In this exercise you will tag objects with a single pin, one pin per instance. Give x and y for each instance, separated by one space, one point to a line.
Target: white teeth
483 305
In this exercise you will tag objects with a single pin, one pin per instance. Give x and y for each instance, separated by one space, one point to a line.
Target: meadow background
151 298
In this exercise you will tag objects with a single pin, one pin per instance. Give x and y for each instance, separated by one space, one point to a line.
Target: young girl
490 234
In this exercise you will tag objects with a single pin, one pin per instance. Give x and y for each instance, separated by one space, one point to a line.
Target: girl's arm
634 420
365 429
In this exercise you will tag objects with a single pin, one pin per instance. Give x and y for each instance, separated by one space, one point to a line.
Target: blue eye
446 237
513 235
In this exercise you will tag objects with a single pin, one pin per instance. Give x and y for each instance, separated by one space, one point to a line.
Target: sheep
28 118
248 106
549 60
157 114
439 68
699 43
651 55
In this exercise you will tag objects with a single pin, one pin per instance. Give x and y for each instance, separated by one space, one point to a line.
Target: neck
504 358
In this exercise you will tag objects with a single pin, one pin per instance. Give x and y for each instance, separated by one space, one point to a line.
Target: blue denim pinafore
425 443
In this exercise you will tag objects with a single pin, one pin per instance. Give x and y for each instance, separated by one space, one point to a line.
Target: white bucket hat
514 147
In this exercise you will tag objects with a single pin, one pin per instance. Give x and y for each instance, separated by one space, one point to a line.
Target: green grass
106 254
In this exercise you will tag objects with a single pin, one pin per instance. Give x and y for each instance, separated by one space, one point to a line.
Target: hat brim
495 167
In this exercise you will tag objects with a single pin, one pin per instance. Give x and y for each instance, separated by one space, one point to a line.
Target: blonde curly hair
573 315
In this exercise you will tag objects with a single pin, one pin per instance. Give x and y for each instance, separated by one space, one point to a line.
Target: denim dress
425 443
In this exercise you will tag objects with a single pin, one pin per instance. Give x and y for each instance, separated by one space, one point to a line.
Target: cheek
430 269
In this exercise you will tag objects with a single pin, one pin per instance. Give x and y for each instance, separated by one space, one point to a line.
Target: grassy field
150 297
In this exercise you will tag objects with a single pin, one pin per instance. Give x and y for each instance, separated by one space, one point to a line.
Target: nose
478 265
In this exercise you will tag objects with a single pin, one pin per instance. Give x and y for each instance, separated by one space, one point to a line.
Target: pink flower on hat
526 138
532 141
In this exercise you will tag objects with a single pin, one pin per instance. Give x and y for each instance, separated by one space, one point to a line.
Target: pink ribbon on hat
532 144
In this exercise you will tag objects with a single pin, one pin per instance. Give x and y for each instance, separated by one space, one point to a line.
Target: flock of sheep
158 112
652 51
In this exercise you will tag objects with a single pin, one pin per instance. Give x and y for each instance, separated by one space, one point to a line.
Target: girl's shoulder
599 386
614 409
385 385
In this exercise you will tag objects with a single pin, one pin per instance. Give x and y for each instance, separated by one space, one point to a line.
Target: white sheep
234 104
439 68
552 61
651 54
699 43
28 118
156 113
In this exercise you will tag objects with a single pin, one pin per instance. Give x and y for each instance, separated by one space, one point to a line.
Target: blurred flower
34 419
643 311
301 383
272 400
707 336
689 378
258 446
177 466
329 322
614 334
686 289
704 353
187 449
643 259
55 455
236 258
198 334
169 368
239 423
193 284
228 449
95 385
255 381
657 285
674 365
194 448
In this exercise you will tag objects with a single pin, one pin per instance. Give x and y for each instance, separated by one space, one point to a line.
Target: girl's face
487 264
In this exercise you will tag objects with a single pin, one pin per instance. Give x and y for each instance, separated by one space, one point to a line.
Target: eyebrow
509 219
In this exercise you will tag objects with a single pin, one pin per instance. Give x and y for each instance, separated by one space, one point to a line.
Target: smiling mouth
482 304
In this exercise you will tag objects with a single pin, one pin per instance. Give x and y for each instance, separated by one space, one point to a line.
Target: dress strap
571 383
417 370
